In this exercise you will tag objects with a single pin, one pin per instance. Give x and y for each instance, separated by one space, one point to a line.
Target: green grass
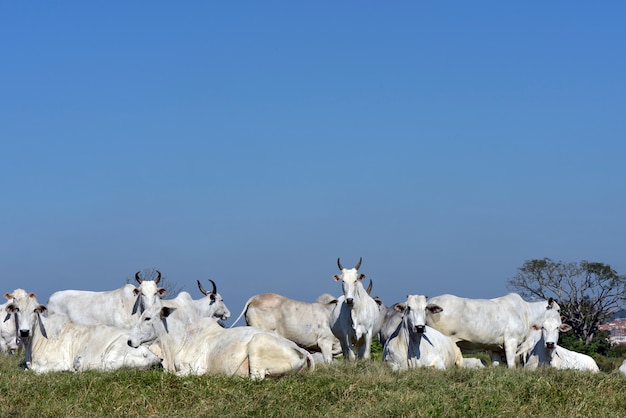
365 388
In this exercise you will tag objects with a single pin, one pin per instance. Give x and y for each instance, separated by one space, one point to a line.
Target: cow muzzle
550 346
350 301
420 329
24 333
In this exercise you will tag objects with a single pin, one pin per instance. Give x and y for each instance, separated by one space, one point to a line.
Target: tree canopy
589 293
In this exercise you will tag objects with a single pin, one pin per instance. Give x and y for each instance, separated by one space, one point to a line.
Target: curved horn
204 292
339 263
214 287
358 264
138 278
156 281
369 288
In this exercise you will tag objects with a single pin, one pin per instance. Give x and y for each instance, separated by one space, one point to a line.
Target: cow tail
245 309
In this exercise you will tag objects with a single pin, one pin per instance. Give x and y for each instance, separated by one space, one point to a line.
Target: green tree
588 292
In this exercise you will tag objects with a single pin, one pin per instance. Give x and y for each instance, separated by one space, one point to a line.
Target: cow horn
369 288
156 281
214 287
138 278
204 292
358 264
339 263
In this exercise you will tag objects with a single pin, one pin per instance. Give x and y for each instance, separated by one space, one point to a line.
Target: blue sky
255 142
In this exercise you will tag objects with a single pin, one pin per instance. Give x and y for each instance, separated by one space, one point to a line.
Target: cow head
552 325
414 313
350 279
148 293
150 325
215 306
26 311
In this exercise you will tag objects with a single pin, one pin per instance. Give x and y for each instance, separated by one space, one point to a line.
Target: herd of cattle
135 327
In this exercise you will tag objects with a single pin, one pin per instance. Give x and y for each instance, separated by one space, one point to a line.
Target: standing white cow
304 323
115 307
65 346
210 306
487 324
204 347
414 344
355 316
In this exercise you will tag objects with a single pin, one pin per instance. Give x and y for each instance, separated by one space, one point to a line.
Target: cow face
415 313
25 310
349 279
550 329
213 305
148 294
149 326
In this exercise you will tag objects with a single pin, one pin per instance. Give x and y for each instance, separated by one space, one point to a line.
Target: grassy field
367 388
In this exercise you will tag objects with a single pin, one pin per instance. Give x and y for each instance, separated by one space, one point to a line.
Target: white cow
204 347
24 310
73 347
544 339
304 323
502 323
210 306
414 344
622 368
568 359
8 328
391 320
115 307
355 316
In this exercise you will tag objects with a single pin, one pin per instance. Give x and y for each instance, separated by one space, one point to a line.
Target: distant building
616 329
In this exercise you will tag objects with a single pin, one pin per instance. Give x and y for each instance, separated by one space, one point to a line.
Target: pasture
365 388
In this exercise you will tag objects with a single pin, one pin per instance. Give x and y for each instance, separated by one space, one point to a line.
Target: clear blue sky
255 142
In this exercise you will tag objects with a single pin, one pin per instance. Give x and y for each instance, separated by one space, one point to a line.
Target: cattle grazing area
365 388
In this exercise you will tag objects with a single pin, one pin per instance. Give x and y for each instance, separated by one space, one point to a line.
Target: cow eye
147 318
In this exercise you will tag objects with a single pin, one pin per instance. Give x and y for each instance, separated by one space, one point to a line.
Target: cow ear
11 308
7 295
136 291
337 278
536 327
400 307
41 309
212 297
161 292
361 276
378 300
434 308
564 328
332 302
32 295
166 311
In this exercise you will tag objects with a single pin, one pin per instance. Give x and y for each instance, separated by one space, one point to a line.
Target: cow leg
326 347
510 348
366 347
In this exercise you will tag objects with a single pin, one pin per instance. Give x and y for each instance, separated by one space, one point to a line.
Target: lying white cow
544 339
23 312
355 316
487 324
304 323
568 359
210 306
204 347
115 307
73 347
414 344
9 339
